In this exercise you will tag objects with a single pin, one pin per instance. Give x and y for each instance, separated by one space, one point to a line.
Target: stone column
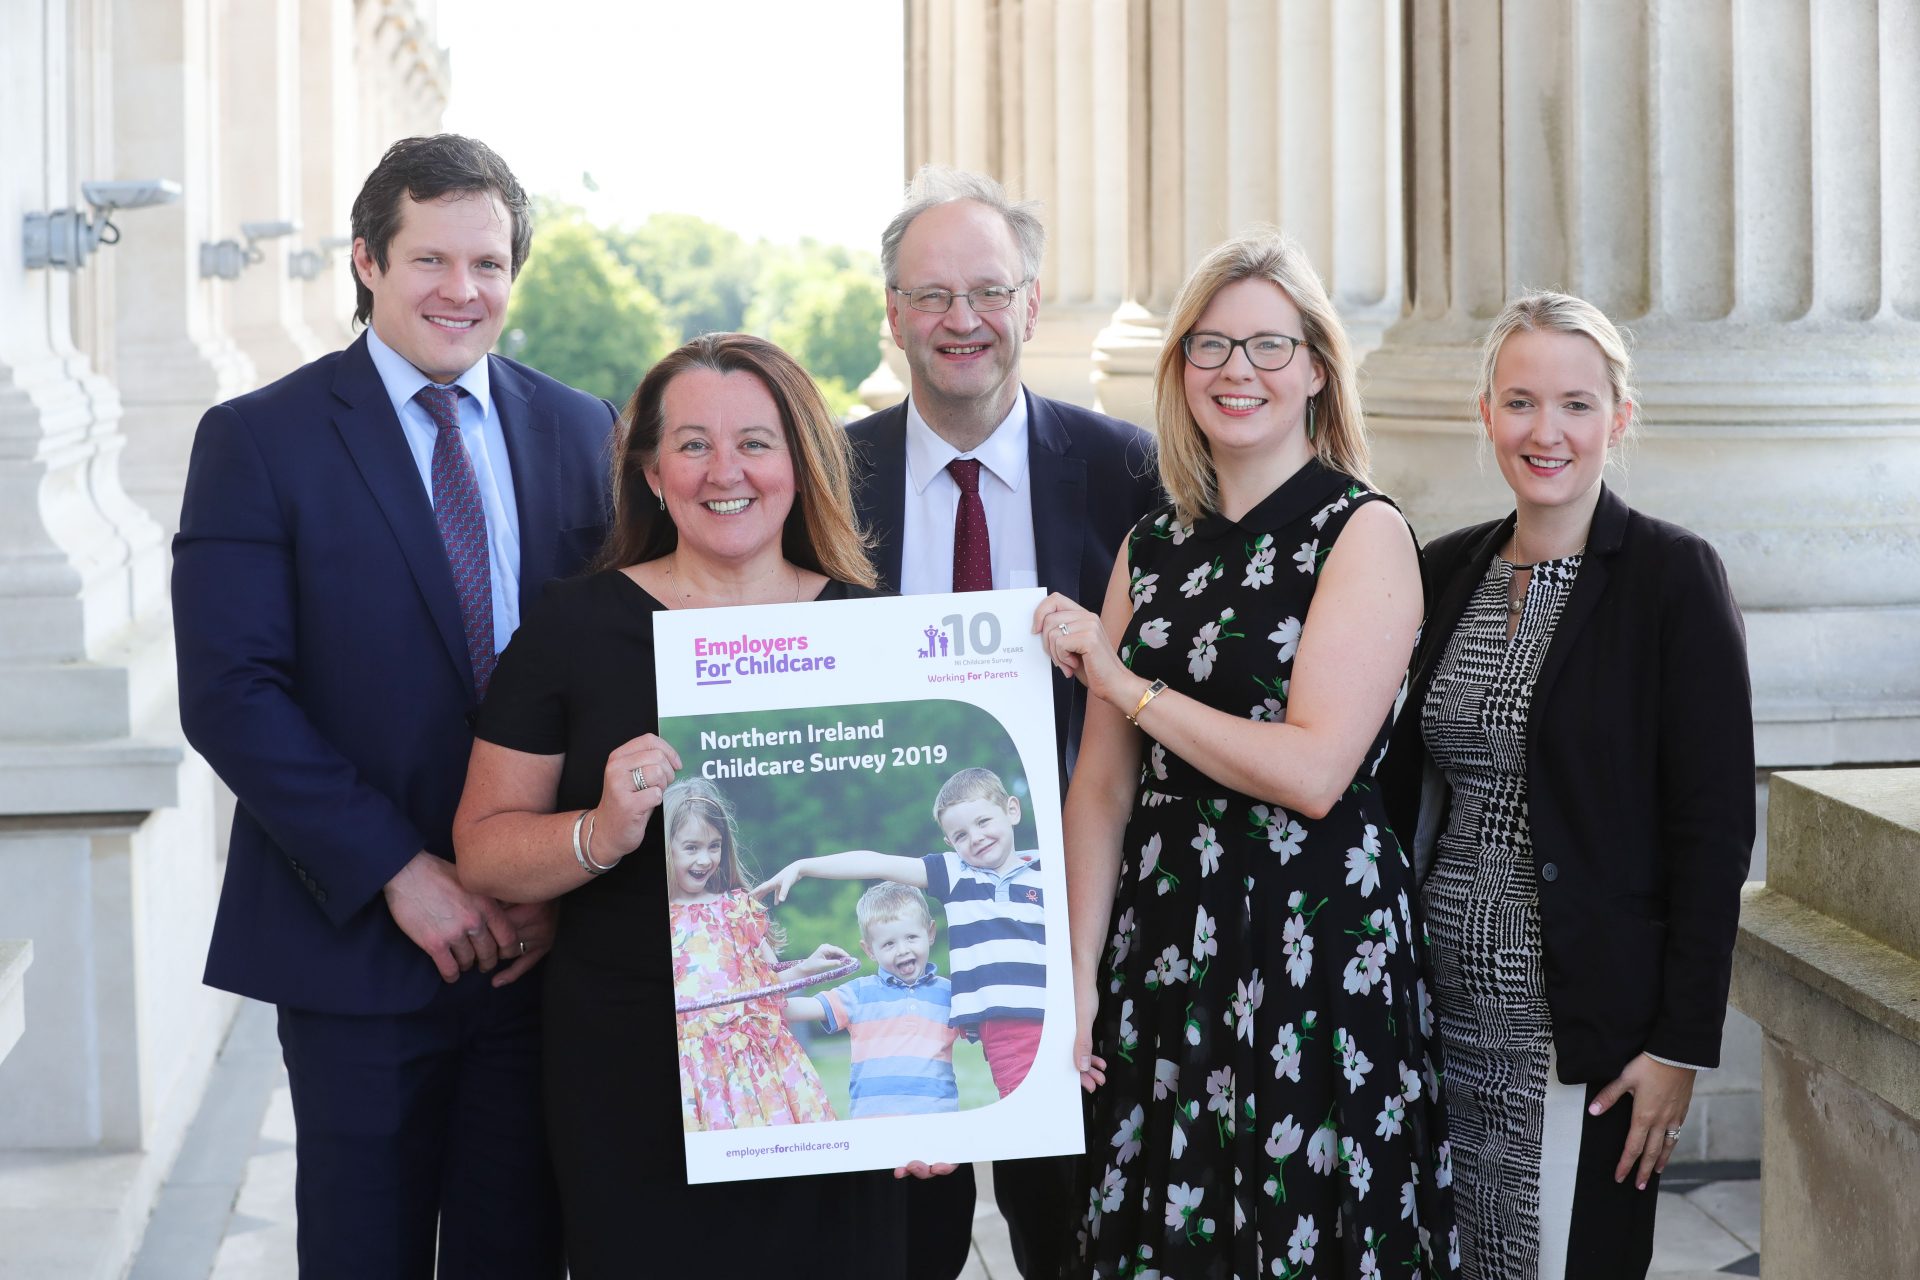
175 356
262 145
106 849
1252 112
1733 180
332 167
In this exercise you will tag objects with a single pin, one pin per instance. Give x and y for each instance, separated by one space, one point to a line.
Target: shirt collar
403 381
927 975
1004 453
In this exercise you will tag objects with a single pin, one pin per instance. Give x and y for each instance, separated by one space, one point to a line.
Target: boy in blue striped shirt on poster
899 1019
996 917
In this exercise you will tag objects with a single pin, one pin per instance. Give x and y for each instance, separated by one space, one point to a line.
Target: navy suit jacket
1091 478
323 666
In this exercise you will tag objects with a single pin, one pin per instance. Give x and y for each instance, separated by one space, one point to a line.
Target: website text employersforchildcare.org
782 1148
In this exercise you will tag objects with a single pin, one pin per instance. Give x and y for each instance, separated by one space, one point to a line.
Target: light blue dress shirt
486 443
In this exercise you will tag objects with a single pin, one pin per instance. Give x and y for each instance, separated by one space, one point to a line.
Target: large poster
864 875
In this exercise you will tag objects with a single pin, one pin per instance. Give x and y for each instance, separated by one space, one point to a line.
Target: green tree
579 315
703 274
823 304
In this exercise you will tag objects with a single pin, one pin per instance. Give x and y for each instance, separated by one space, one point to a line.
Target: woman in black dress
730 487
1574 767
1251 1023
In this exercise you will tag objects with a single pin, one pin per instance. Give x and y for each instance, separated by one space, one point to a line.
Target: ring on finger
639 775
523 948
1673 1135
1063 628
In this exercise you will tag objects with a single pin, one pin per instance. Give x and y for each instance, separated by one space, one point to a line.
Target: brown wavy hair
821 533
1340 432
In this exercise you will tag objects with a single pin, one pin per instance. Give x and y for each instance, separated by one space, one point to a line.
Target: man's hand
533 923
456 929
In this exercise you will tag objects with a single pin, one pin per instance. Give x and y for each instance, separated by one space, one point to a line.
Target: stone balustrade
1828 964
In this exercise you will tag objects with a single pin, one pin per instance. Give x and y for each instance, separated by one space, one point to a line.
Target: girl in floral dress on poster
1252 1023
739 1063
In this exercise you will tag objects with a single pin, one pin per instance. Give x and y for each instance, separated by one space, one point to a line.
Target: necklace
1516 589
686 593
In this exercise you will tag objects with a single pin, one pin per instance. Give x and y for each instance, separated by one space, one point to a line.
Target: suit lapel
1603 539
882 497
1059 500
1450 601
536 496
372 434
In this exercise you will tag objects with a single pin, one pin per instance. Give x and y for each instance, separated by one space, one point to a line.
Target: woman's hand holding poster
864 874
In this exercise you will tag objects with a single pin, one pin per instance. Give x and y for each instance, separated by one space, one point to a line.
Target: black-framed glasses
992 297
1269 352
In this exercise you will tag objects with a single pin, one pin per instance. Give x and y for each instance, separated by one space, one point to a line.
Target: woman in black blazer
1573 770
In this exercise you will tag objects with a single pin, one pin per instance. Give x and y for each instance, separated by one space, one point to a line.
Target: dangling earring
1309 421
661 498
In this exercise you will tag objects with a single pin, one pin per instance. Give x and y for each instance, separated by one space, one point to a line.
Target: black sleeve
1706 796
526 706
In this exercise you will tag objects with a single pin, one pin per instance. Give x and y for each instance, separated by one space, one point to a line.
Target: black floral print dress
1270 1105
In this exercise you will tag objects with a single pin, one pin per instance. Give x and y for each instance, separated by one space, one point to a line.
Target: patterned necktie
463 528
972 559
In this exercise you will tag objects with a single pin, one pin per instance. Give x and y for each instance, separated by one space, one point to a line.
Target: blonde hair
1340 434
969 784
889 901
1544 311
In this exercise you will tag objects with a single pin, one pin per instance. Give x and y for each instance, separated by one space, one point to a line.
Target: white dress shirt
933 499
486 443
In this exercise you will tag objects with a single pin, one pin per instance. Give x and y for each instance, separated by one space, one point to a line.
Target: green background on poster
822 810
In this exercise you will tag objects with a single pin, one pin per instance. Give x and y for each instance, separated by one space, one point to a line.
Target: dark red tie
972 559
463 528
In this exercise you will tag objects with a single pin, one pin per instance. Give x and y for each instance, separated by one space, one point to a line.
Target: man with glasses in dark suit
975 483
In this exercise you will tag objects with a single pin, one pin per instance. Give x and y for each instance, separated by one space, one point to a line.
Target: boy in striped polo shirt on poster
897 1019
996 919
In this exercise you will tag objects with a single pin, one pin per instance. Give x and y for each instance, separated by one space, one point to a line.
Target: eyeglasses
1270 352
993 297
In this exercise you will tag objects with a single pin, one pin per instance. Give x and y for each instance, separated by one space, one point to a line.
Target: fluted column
1255 112
262 142
107 859
1735 181
332 167
175 352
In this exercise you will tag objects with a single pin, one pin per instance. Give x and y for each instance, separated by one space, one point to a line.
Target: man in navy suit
974 481
357 542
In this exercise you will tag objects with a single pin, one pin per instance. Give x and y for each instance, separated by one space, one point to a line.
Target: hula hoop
842 970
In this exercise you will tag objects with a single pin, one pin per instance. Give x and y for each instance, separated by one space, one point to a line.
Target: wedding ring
639 773
1064 628
1673 1135
523 948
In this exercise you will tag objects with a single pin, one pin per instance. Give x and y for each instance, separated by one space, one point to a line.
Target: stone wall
1828 964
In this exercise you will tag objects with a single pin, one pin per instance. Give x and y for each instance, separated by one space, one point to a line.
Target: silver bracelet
583 853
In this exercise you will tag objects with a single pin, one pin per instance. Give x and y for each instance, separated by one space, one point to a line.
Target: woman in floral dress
1251 1022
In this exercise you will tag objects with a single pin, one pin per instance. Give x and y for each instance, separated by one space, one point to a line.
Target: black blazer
1640 781
1091 478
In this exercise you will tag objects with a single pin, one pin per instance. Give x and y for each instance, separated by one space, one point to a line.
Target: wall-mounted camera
307 264
65 237
226 259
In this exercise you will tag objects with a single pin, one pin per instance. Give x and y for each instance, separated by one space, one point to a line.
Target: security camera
65 237
108 196
267 230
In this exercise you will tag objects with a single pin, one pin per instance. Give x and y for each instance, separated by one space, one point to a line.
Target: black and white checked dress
1515 1130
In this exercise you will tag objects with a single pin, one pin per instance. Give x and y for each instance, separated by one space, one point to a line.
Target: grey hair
938 184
